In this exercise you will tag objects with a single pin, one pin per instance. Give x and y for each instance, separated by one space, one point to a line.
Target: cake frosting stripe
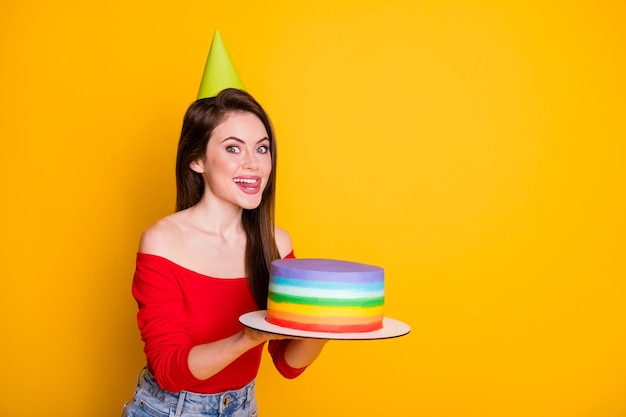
329 324
378 285
321 275
326 328
325 292
325 311
326 295
333 320
348 302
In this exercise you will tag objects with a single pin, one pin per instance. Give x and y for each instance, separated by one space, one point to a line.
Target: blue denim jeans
150 400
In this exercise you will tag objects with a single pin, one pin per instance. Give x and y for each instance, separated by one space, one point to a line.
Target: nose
250 161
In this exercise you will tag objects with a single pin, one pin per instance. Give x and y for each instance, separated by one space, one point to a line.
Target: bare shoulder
162 237
283 241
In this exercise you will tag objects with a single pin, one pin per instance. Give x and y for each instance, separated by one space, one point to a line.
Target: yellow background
475 150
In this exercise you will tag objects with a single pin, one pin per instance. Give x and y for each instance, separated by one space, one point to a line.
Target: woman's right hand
260 336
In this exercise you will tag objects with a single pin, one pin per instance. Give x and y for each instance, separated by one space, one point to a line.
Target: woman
189 281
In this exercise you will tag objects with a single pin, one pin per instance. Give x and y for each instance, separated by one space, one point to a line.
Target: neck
216 216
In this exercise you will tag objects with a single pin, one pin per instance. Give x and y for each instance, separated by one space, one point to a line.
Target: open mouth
249 185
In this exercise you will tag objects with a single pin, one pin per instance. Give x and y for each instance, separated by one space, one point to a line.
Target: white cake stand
391 328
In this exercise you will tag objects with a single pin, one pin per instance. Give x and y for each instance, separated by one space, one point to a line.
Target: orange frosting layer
330 320
331 324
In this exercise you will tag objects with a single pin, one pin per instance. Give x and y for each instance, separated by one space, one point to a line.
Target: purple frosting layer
326 270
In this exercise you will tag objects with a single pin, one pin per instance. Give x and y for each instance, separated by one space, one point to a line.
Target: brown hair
201 118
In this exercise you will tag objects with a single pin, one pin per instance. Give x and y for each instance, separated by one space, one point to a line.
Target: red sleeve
277 351
161 320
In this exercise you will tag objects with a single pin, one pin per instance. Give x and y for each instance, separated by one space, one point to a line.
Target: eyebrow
242 141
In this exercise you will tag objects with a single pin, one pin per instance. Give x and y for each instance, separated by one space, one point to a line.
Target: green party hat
219 71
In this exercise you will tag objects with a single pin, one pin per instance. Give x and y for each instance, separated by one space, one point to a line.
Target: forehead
241 125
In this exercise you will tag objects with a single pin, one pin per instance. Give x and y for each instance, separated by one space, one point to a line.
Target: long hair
201 118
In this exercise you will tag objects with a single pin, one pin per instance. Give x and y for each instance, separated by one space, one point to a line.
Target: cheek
267 164
222 165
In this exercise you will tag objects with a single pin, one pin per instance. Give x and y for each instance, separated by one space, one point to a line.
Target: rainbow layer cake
326 295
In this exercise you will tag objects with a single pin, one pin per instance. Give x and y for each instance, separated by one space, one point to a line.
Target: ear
197 166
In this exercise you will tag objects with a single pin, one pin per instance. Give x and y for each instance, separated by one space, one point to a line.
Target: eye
233 149
263 149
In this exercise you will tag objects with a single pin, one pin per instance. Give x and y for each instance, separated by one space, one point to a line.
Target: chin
250 205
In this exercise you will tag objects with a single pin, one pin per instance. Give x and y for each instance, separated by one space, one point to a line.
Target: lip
248 184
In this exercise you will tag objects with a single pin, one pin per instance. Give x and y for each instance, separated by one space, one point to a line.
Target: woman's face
238 162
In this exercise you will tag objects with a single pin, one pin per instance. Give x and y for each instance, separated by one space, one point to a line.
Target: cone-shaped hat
219 71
